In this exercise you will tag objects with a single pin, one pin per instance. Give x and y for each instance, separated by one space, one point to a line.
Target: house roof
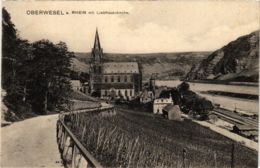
249 133
245 127
168 107
120 67
163 101
75 82
171 107
174 112
146 93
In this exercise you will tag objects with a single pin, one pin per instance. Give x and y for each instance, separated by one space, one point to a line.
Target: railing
73 153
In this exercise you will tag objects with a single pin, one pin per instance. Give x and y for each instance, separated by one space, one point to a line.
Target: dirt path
31 143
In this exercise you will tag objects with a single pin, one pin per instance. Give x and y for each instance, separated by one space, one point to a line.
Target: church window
105 79
125 78
130 92
112 79
126 93
94 68
118 79
105 92
99 69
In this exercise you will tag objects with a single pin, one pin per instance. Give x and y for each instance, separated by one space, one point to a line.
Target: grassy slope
78 66
158 142
82 101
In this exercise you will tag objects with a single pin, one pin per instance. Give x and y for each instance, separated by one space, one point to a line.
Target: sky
149 26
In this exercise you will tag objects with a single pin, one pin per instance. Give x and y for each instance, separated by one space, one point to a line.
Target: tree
50 84
35 74
192 103
84 77
74 75
183 87
15 54
9 43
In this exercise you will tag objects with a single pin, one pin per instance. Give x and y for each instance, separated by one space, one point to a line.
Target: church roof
120 67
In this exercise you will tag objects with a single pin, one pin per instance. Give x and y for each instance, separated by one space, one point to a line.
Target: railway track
234 117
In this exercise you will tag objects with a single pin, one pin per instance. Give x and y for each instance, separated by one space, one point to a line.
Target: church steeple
97 51
97 42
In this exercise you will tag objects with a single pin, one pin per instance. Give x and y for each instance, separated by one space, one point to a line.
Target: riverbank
231 94
222 82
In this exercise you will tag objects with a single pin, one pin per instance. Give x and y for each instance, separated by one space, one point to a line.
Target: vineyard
133 140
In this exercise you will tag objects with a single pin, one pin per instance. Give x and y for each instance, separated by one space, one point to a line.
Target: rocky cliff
237 61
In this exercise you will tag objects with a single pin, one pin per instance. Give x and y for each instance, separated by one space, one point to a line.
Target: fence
73 153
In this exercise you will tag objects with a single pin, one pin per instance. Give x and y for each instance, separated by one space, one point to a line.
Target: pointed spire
97 42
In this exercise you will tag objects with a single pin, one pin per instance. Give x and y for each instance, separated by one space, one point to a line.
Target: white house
160 103
75 84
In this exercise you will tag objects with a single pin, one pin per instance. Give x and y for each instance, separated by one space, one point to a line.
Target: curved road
31 143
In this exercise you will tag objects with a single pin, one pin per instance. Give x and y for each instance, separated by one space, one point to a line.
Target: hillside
237 61
79 66
167 65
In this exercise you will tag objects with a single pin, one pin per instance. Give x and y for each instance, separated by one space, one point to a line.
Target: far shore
216 82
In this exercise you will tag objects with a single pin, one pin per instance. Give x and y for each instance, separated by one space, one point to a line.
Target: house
76 85
248 131
160 103
113 80
146 96
172 112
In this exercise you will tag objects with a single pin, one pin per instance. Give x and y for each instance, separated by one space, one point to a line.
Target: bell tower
96 62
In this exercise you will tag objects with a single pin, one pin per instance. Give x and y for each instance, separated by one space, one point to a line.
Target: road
31 143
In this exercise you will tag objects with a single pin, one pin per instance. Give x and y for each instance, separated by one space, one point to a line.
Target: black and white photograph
168 84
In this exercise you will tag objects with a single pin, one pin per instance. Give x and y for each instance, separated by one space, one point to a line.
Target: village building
113 80
172 112
160 103
247 131
146 96
76 85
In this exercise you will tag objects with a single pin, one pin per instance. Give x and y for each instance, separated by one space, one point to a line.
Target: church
113 80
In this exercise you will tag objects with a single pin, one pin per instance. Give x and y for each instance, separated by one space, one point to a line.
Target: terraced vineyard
134 140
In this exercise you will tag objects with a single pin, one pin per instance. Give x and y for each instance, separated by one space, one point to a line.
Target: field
137 140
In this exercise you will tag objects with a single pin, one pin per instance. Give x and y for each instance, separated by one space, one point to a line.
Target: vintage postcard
130 84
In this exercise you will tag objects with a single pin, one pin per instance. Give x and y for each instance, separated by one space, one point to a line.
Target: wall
103 93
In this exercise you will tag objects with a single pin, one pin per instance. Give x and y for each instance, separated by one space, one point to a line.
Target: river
245 105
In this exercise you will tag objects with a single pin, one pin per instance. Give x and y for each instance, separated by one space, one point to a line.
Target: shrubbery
189 102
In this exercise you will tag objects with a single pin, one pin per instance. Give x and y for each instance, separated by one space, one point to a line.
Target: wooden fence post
232 155
183 157
215 159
